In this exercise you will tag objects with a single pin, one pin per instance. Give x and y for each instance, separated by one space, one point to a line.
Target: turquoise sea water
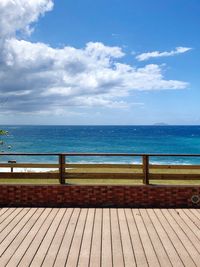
114 139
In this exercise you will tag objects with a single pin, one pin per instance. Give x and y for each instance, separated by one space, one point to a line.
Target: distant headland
161 124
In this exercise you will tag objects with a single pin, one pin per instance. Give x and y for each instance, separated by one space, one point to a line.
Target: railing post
145 160
62 168
12 162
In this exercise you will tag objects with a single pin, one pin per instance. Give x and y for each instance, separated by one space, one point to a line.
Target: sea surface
113 139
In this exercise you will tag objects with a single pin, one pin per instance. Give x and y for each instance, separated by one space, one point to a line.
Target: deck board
8 220
77 240
187 220
193 218
55 245
95 255
18 255
117 253
184 238
11 247
187 236
5 214
137 245
128 254
106 256
2 211
156 242
86 242
99 237
164 237
146 241
8 228
41 252
67 239
32 250
179 246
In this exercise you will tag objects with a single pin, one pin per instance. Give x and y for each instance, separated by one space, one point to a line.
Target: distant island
160 124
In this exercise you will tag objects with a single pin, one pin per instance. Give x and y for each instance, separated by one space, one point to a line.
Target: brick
98 195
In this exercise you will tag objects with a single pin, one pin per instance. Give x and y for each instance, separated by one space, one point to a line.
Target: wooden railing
65 170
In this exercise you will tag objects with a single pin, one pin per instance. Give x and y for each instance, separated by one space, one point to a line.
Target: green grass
112 181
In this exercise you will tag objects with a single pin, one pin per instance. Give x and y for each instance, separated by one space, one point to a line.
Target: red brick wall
98 195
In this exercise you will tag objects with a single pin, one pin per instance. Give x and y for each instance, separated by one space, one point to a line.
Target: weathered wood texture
99 237
27 175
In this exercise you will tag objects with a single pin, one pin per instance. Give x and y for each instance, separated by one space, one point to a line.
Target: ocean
113 139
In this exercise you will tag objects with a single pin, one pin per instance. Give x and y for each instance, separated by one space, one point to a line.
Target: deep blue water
126 139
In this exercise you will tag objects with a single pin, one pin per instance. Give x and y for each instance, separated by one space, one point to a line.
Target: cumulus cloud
155 54
34 77
18 15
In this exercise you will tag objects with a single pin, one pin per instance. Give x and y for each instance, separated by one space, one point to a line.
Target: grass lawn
112 181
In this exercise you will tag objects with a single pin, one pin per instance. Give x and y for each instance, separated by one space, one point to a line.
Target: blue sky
99 62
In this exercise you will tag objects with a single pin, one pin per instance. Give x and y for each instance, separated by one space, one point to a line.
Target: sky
116 62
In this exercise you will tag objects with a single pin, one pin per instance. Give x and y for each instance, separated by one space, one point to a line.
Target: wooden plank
186 229
128 255
117 252
32 249
103 154
28 175
10 222
183 254
63 252
176 167
192 251
10 248
25 215
106 256
46 242
96 165
124 154
84 256
155 239
196 213
72 154
138 248
165 239
132 176
77 239
95 256
56 243
198 210
47 175
146 241
31 235
191 220
173 235
6 214
100 154
3 211
159 176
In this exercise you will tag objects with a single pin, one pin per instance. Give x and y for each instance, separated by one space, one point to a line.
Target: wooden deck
99 237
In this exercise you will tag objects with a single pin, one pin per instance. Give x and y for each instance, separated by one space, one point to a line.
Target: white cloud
18 15
155 54
34 77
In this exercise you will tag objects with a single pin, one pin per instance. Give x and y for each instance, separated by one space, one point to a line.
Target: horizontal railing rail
144 170
99 154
